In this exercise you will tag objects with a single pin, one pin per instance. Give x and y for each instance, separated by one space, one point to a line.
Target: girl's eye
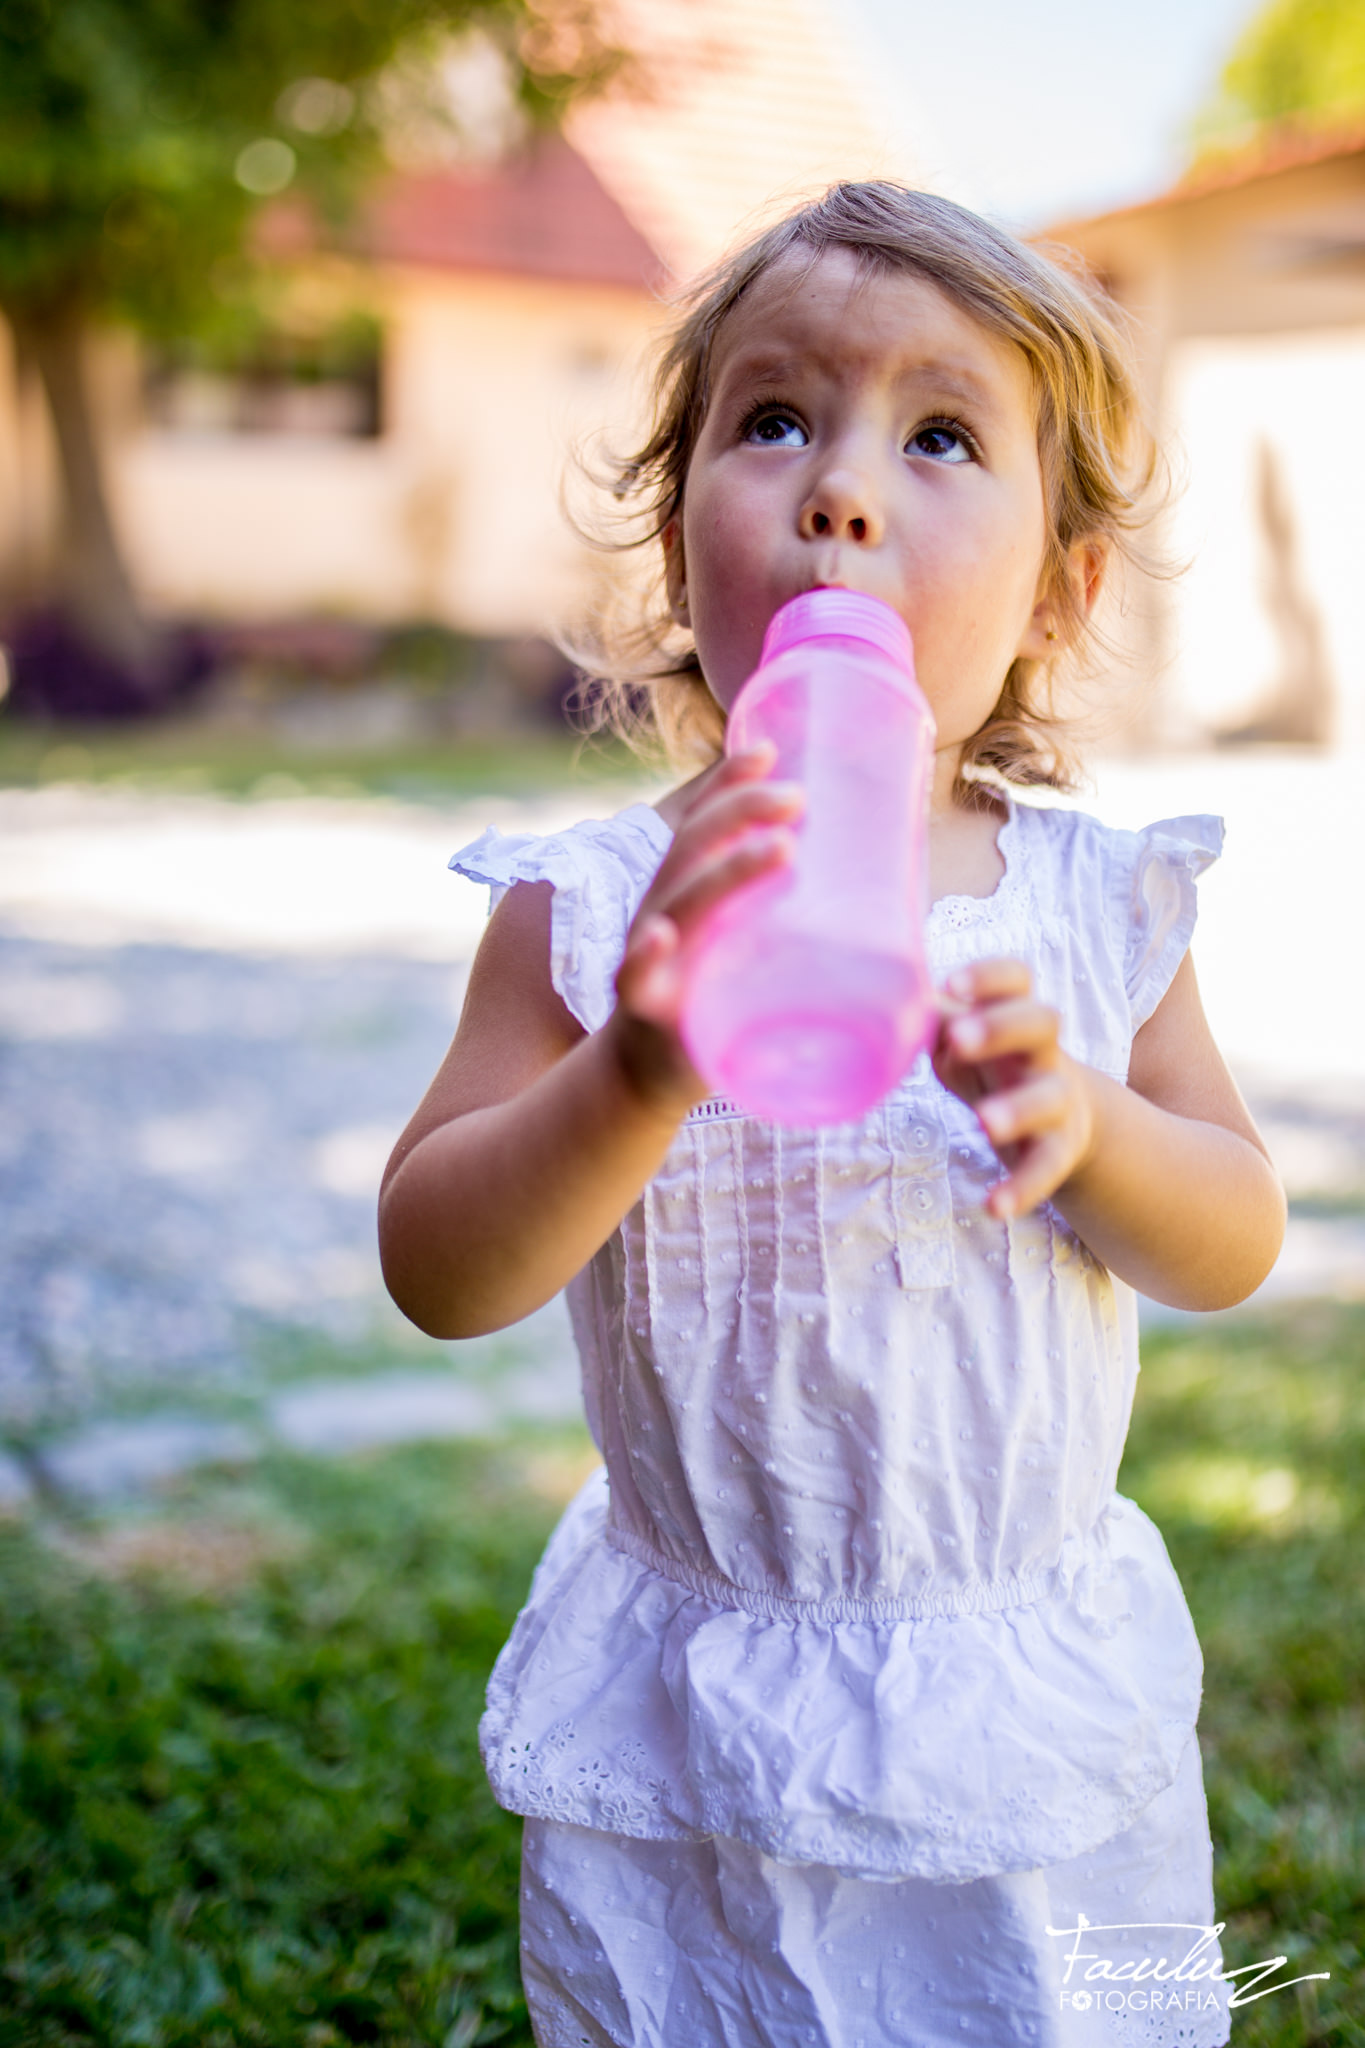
942 441
771 427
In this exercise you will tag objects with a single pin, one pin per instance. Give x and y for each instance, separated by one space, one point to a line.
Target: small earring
1051 633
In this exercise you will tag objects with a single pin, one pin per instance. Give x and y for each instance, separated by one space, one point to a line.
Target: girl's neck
964 855
943 790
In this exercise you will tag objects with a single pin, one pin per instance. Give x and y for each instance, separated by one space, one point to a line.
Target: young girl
852 1685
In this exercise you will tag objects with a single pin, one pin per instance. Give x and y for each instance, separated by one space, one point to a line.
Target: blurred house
1247 283
400 454
398 450
422 483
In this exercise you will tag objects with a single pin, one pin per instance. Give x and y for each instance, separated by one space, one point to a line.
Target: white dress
852 1660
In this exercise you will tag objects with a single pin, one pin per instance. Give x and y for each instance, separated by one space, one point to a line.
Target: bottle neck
840 615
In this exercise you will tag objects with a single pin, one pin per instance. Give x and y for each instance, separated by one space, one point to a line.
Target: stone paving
215 1018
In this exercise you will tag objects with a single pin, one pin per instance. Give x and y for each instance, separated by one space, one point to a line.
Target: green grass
240 1800
1248 1448
240 1795
192 756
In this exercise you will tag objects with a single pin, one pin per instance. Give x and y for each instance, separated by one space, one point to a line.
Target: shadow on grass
240 1797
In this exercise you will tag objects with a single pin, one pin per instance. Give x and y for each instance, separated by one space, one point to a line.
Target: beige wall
1250 312
452 513
1267 623
492 388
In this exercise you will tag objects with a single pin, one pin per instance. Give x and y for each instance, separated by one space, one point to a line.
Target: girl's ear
1086 565
1084 573
675 571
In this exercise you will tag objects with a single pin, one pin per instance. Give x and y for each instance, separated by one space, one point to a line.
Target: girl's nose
841 507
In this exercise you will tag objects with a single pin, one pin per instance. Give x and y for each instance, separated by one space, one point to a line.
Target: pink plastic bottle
809 994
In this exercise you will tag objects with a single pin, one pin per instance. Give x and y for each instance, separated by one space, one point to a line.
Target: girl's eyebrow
958 380
756 364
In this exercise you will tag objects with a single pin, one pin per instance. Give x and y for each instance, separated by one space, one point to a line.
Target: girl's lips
858 587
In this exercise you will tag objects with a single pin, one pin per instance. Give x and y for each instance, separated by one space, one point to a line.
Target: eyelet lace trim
562 1775
964 913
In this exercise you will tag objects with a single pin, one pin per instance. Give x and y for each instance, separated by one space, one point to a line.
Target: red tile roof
542 213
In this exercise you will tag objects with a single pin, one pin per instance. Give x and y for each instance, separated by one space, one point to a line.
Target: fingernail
1004 1204
998 1119
960 984
970 1035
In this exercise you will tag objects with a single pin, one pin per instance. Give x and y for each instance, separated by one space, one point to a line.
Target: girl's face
866 433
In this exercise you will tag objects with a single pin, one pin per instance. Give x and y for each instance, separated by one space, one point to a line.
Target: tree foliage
1300 61
137 140
137 137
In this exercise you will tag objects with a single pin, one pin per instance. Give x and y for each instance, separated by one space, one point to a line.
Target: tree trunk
92 580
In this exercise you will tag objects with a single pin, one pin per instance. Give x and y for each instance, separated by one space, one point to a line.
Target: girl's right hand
736 828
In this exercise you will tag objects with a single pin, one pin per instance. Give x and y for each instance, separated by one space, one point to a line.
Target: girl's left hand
998 1051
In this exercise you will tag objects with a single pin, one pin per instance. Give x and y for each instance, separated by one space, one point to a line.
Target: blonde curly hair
1097 462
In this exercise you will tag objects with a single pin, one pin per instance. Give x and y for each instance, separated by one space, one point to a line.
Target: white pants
635 1944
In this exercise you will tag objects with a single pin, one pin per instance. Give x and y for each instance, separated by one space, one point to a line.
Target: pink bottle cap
843 615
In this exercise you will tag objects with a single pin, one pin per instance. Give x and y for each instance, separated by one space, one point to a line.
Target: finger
714 830
1018 1026
759 759
1044 1165
653 937
648 982
753 765
732 806
964 1079
1039 1105
743 860
990 981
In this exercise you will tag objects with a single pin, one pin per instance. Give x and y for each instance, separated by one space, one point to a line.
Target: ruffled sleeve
1162 905
599 871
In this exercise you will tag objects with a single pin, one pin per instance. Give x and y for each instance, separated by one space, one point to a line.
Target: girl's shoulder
599 870
1071 847
631 843
1071 834
1131 893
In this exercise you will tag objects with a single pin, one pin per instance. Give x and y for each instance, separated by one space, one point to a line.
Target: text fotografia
1154 1983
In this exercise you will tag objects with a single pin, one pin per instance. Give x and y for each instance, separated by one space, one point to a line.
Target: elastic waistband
985 1596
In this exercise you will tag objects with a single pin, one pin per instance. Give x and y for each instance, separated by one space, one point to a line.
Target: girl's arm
534 1139
1166 1180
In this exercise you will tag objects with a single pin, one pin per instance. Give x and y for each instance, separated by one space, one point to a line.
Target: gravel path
192 1144
215 1017
214 1020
